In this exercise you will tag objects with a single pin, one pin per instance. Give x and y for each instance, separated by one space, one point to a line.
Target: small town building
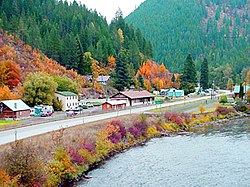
104 80
15 109
134 98
175 93
236 91
69 100
114 105
172 92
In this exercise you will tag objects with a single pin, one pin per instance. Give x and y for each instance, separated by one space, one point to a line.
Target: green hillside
215 29
65 32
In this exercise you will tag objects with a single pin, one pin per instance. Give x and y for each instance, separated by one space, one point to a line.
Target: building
175 93
104 80
236 91
68 99
15 109
134 98
172 92
114 105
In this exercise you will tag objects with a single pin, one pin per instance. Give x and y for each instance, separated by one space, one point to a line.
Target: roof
102 78
16 105
175 90
137 94
67 93
116 102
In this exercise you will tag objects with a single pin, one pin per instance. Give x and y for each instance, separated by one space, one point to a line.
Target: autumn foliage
22 166
155 75
6 94
17 60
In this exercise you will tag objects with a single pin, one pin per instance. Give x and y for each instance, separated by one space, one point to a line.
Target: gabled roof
135 94
67 93
102 78
16 105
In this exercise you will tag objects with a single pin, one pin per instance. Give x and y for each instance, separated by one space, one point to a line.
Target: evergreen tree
188 78
141 81
204 74
80 57
173 80
65 31
189 71
122 79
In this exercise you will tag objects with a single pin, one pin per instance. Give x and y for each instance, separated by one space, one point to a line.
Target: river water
214 157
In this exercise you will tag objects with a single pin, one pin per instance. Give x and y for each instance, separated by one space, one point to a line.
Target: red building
15 109
114 105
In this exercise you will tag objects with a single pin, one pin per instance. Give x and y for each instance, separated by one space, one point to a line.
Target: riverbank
217 156
76 152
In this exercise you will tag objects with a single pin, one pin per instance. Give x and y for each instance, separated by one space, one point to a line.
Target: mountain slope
65 32
216 29
28 59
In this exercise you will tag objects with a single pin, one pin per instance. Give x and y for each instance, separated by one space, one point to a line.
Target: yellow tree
6 94
111 64
120 33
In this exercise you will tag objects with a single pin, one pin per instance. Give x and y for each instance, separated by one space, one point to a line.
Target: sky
108 8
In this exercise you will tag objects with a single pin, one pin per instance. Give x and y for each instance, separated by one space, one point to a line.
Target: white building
68 99
104 80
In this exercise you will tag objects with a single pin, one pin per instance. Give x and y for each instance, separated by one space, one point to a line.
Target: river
218 156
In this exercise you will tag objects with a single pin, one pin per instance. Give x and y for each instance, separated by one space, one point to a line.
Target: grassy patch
211 109
207 110
4 123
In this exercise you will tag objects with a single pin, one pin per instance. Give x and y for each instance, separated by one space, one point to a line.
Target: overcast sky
107 8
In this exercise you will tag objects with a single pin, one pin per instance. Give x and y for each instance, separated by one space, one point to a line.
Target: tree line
218 30
65 32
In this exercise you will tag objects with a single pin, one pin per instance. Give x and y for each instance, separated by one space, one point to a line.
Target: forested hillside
215 29
65 32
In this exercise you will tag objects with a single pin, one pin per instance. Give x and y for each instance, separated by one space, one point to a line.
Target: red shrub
175 118
224 110
121 126
75 157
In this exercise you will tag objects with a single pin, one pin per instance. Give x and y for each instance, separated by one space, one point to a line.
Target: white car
32 112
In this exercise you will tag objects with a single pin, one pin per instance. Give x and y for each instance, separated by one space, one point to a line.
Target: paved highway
28 131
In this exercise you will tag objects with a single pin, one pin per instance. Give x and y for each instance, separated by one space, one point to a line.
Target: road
29 131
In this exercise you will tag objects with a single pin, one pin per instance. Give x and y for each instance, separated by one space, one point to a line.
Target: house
114 105
172 92
15 109
68 99
104 80
175 93
134 98
237 90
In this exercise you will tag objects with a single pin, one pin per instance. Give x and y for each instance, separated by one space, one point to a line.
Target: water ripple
219 157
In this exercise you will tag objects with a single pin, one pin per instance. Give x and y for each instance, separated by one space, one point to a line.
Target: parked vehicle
32 112
71 113
43 110
46 114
